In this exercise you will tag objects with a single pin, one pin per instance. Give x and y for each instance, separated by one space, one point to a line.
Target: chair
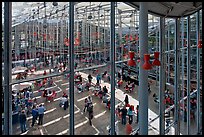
50 98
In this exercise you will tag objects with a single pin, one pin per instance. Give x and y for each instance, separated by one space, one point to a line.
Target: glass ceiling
25 11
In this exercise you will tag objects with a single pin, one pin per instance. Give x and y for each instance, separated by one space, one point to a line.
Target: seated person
49 93
127 87
132 87
120 82
100 94
105 99
45 93
62 101
104 74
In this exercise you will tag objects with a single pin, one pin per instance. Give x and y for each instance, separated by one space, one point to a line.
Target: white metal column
143 74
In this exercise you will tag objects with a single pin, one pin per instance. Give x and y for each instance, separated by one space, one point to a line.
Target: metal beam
7 68
112 61
198 74
188 75
162 76
176 84
71 63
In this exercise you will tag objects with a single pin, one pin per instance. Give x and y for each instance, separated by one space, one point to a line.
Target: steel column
7 68
168 43
157 69
182 67
198 73
143 74
162 76
71 63
188 74
177 76
112 59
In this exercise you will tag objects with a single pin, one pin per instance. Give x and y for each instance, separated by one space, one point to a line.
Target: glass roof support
112 61
7 68
71 63
162 76
177 74
182 61
188 74
198 73
143 74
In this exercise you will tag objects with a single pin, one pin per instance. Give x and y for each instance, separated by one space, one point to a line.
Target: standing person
126 100
86 104
137 111
105 90
23 121
66 103
41 110
130 114
124 114
90 78
89 100
35 115
90 110
98 78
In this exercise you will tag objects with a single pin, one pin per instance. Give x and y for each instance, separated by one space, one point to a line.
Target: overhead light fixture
147 65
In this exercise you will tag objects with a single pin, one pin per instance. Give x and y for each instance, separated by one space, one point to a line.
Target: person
65 95
35 115
108 104
124 114
89 100
62 101
118 111
86 104
105 90
126 100
44 72
90 110
105 99
41 110
130 115
49 95
120 82
98 78
149 88
80 88
128 128
104 74
80 78
133 86
23 121
66 103
90 78
137 111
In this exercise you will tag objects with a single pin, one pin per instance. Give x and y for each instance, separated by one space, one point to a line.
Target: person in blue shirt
35 115
41 110
130 114
98 78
